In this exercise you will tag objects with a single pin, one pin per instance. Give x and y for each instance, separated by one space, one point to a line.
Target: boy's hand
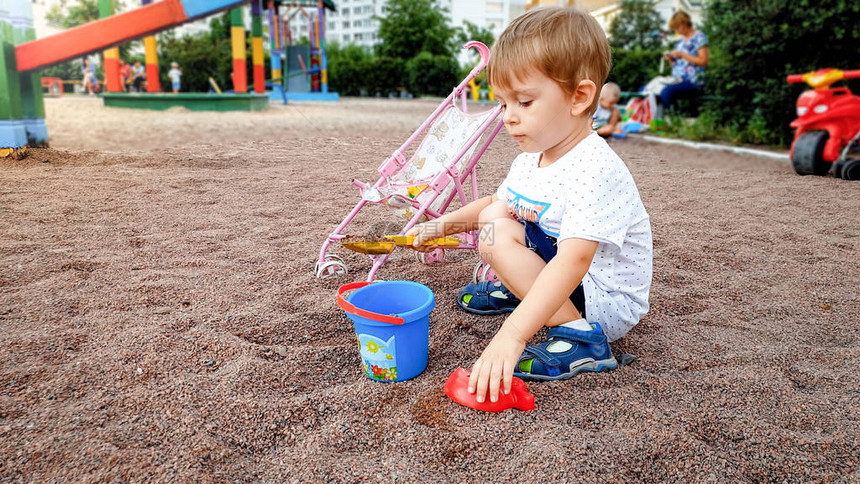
423 233
496 365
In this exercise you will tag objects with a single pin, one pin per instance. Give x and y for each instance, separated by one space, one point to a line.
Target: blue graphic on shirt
528 210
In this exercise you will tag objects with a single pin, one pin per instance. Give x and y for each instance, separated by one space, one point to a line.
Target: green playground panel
191 101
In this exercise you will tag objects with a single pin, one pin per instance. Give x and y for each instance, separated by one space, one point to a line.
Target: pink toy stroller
420 183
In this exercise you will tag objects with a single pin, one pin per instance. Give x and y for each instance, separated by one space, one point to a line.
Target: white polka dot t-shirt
590 194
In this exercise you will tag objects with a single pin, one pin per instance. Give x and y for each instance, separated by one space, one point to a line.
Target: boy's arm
461 220
552 287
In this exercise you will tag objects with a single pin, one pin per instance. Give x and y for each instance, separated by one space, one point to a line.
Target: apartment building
605 10
354 21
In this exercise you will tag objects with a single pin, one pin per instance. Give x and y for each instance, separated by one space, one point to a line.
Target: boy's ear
582 97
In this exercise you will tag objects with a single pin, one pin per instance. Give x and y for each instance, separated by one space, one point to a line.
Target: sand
161 319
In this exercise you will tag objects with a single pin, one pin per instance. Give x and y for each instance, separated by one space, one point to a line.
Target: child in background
90 81
607 116
138 76
566 232
124 74
175 73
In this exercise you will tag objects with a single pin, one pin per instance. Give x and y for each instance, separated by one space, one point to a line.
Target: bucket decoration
392 326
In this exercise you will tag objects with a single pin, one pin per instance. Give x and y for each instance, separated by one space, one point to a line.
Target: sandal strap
483 297
480 296
590 337
543 355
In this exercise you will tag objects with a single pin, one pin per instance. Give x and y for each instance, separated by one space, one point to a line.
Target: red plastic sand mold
457 388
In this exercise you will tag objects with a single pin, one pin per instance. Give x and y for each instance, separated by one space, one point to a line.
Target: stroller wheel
431 257
483 272
333 266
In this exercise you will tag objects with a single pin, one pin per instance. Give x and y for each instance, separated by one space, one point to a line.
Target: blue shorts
175 85
545 246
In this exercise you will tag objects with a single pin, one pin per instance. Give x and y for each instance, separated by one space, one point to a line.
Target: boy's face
537 113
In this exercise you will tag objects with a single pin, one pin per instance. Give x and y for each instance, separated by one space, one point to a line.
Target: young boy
607 116
566 232
175 75
138 76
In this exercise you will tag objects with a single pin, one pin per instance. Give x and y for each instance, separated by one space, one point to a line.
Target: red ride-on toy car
827 126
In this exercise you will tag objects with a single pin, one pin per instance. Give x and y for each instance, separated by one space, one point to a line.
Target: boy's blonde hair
610 89
565 44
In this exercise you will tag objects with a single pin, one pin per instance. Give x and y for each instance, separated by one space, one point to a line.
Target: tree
200 56
637 26
636 39
413 26
347 66
84 11
433 75
474 32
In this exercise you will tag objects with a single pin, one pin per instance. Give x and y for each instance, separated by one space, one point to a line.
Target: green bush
200 57
67 71
347 68
632 69
755 45
354 71
635 36
385 75
637 26
434 75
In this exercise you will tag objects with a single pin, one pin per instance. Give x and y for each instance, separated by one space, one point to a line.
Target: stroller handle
483 52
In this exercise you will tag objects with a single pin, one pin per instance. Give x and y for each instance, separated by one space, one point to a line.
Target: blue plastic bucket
392 325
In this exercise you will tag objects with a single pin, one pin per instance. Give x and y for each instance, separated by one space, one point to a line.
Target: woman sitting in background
688 59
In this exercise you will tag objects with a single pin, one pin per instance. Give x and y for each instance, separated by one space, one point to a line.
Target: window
345 24
494 7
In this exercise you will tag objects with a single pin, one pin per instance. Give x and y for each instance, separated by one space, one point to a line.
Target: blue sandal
487 297
567 352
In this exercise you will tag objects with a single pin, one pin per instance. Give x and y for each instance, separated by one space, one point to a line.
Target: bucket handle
350 308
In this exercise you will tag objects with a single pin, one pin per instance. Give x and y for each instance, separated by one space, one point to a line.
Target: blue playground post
276 51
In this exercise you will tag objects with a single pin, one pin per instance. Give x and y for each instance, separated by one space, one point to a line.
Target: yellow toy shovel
378 247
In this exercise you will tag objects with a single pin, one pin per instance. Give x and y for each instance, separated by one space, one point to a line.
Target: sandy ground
161 320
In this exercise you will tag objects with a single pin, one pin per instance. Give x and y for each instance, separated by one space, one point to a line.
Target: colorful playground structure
22 110
22 113
303 76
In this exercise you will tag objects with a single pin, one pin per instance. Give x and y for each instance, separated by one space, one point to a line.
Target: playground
162 320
